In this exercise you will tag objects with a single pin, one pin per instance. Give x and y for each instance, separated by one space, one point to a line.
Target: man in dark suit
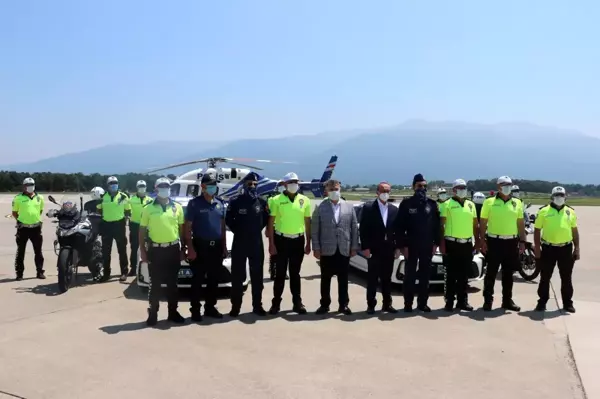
417 237
377 245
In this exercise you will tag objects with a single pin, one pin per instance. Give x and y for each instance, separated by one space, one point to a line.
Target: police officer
162 222
138 201
442 198
114 208
515 192
502 232
279 188
556 240
289 239
246 217
206 246
478 200
458 229
27 208
418 236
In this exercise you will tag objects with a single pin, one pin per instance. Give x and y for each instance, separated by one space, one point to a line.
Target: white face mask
30 189
558 201
461 193
443 197
516 194
141 190
334 195
163 192
281 189
292 188
506 190
384 197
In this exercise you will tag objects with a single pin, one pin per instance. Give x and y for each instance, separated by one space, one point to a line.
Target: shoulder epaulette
543 206
569 206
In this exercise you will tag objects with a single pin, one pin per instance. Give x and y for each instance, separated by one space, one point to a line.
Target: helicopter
230 180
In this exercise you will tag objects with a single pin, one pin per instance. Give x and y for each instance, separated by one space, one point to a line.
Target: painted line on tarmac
11 395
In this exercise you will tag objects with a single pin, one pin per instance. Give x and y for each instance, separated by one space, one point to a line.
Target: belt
210 243
30 226
501 237
289 235
564 244
459 240
164 244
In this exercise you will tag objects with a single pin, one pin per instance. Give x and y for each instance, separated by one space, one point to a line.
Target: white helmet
162 181
140 183
478 198
112 180
515 191
97 193
28 181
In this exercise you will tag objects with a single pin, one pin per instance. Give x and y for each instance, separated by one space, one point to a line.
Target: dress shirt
336 211
384 211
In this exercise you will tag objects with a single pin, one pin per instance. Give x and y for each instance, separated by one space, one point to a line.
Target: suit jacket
327 235
374 235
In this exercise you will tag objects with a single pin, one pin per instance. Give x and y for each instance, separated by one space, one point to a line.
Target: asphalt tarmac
92 342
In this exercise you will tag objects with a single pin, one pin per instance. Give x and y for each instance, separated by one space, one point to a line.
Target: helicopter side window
192 190
175 189
233 173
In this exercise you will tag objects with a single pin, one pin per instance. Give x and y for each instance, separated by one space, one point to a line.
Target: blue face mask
211 190
113 187
421 193
163 192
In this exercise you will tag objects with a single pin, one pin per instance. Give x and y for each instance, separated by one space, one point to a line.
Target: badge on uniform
257 208
301 203
174 208
568 212
470 206
427 209
514 204
413 210
242 211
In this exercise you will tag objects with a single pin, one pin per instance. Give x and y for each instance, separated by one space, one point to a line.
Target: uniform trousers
250 250
134 243
457 263
33 234
290 252
114 231
163 266
550 257
334 265
205 270
503 253
417 267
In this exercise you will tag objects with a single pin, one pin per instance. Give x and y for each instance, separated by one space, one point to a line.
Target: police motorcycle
529 269
77 242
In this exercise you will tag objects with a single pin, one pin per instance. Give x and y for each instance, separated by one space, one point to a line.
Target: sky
80 74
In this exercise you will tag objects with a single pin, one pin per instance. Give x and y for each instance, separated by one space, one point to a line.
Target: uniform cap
208 178
140 183
290 177
418 178
112 180
251 177
28 181
441 191
559 190
504 180
515 188
459 183
163 181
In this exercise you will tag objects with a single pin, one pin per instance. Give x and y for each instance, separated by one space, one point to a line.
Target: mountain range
438 150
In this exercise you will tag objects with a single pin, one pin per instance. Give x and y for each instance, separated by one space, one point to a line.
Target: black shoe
465 306
300 309
19 277
106 276
175 317
123 277
152 318
511 306
371 310
541 307
424 308
259 311
449 306
40 275
212 312
274 310
408 308
569 309
234 312
132 273
389 309
322 310
345 310
196 316
487 306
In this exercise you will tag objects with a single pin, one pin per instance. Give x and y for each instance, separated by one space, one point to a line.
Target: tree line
11 181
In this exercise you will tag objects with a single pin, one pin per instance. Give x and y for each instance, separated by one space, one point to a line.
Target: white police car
436 276
185 272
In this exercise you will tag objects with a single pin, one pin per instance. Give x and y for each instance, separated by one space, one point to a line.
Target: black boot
449 306
196 316
235 311
464 305
259 311
487 305
40 275
175 317
152 317
510 305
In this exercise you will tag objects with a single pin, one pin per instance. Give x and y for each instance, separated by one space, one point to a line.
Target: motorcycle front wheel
65 270
529 267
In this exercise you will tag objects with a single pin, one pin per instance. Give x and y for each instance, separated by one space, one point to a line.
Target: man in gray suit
334 234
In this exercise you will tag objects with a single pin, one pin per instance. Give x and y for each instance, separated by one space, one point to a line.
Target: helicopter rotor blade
245 166
176 165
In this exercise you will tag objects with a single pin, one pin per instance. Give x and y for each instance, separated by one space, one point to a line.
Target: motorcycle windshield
69 213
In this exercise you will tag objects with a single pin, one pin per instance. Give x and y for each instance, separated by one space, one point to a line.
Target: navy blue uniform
418 229
246 218
206 219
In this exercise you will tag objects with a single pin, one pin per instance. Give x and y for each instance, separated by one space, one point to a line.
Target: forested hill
78 182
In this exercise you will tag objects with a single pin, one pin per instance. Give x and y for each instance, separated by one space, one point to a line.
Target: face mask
505 190
443 197
292 188
251 191
384 197
461 193
516 194
211 190
164 192
421 193
334 195
30 189
558 201
141 190
113 187
280 189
